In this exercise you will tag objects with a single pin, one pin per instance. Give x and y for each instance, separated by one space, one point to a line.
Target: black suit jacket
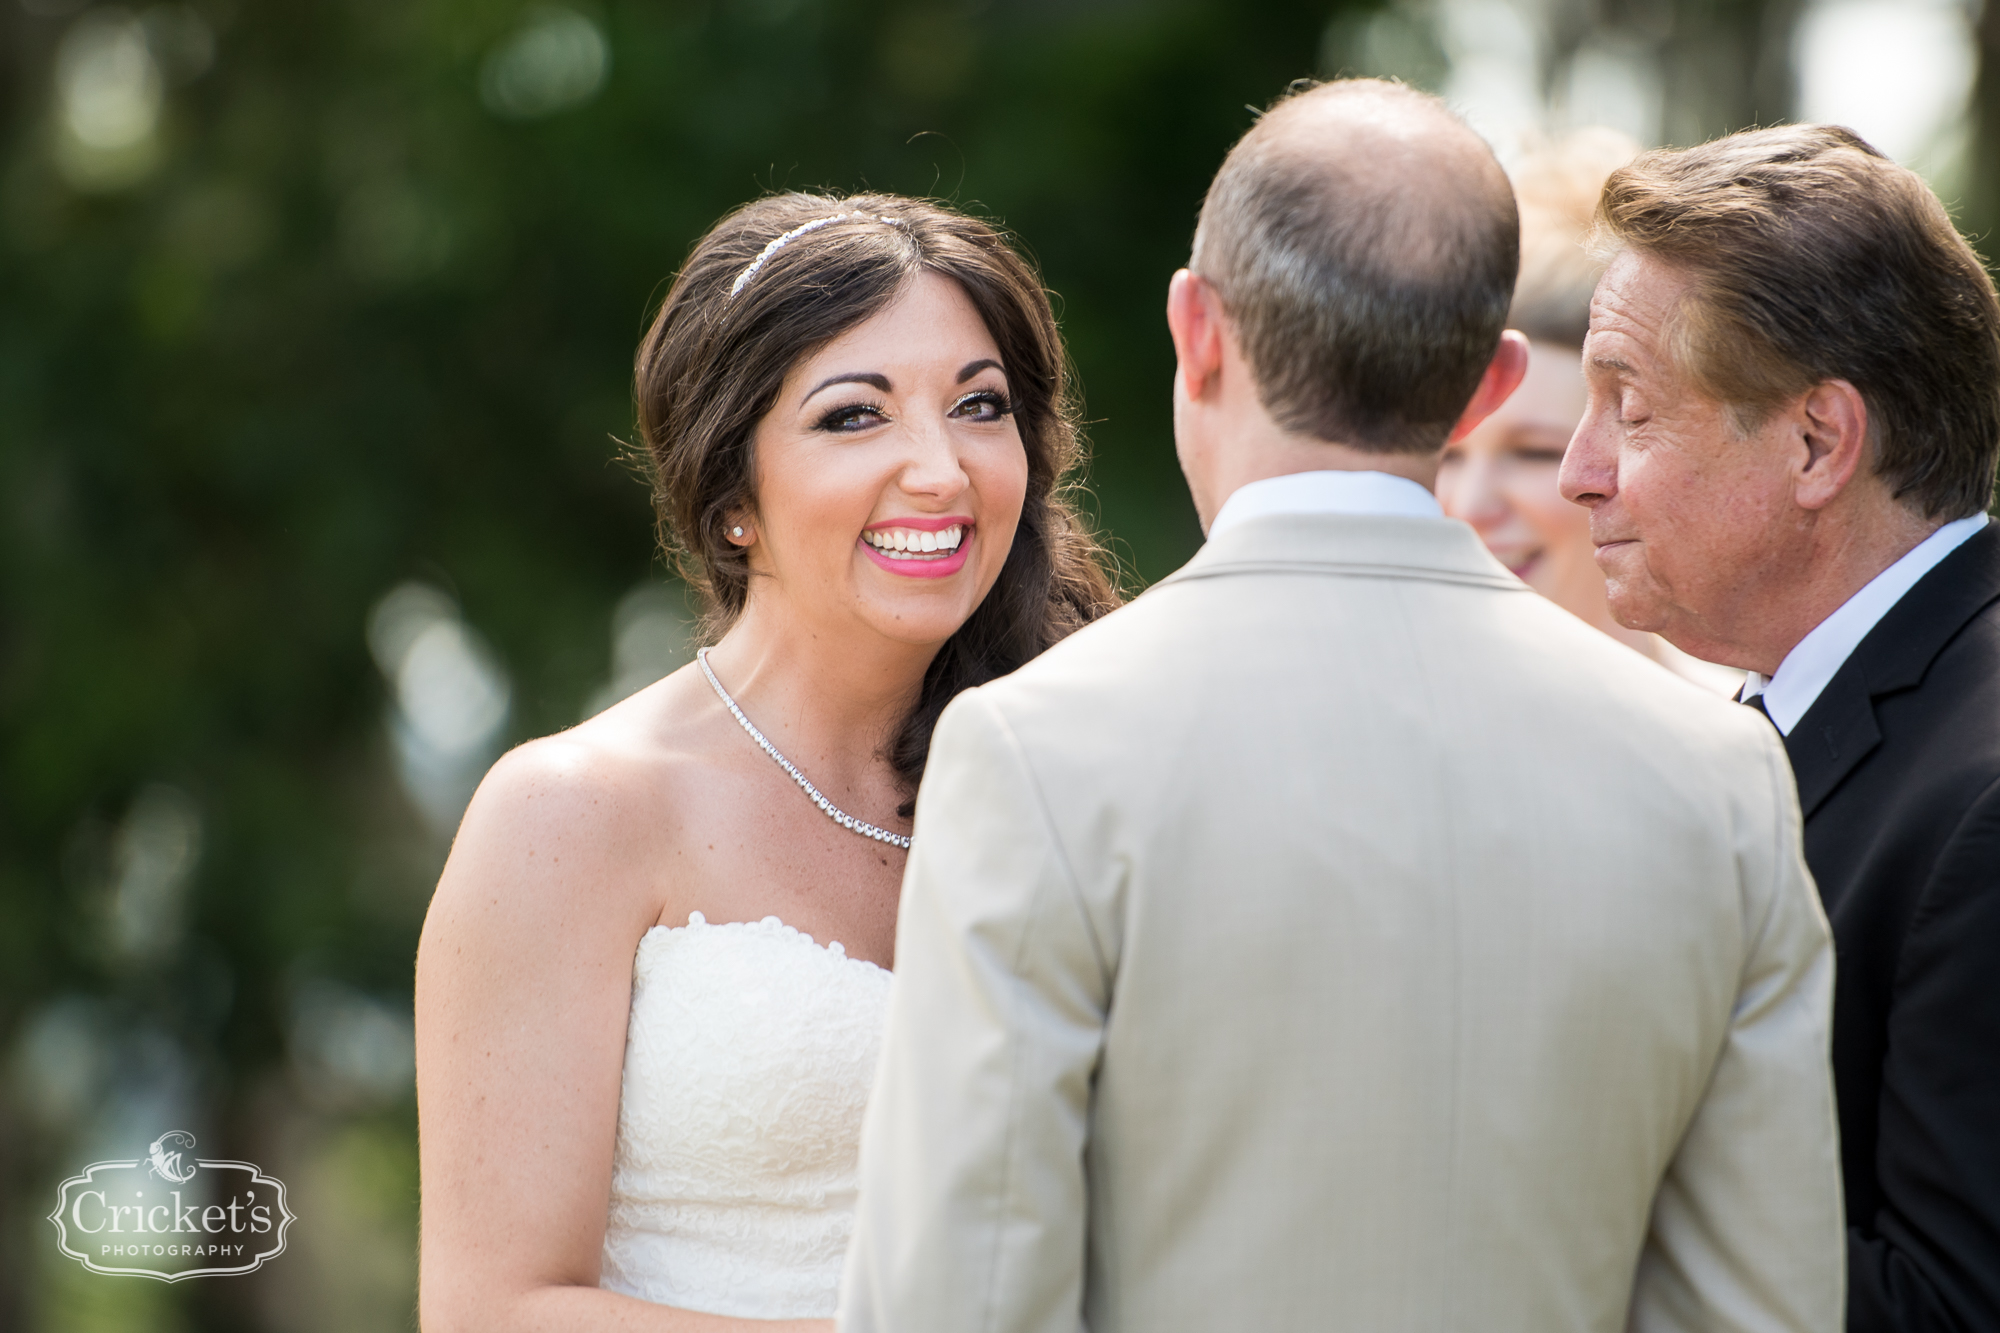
1898 763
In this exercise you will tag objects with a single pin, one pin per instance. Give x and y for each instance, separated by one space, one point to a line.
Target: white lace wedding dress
747 1064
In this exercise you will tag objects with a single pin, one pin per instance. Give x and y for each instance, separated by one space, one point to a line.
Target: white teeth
905 542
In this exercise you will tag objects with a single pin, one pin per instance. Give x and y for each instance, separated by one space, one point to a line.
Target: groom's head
1350 280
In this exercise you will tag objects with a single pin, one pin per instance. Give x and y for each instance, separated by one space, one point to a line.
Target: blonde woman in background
1501 478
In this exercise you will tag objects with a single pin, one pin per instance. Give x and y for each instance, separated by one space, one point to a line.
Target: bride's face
890 474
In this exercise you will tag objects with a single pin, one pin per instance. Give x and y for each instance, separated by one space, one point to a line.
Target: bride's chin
917 621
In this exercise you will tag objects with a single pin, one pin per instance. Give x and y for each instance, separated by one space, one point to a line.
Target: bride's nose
933 467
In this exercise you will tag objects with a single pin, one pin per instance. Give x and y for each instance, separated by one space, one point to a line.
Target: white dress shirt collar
1812 664
1325 493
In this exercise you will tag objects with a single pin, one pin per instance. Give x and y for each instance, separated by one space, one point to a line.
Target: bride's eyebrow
975 367
868 377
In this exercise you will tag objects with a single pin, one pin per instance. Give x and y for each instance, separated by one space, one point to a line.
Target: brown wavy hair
1813 257
711 365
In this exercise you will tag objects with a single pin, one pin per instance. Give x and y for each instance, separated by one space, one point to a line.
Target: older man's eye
852 417
985 405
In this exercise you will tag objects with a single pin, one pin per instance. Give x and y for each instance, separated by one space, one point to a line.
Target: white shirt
1812 664
1325 493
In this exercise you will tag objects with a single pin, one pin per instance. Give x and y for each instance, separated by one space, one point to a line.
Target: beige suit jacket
1343 937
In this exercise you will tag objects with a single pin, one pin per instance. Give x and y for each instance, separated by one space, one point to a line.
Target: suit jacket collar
1839 730
1375 545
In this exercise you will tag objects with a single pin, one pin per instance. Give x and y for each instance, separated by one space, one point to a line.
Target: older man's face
1685 513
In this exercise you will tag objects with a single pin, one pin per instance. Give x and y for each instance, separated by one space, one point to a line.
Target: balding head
1365 243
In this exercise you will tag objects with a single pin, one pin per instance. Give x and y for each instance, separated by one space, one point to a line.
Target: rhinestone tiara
780 242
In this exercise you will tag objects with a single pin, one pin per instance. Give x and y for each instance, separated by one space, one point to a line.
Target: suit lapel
1840 729
1836 733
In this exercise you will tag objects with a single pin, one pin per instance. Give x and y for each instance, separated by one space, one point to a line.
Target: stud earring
736 532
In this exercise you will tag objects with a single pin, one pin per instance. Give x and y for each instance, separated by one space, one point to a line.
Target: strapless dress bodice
748 1059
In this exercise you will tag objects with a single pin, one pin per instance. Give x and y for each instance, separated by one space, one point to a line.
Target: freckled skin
1730 544
1685 514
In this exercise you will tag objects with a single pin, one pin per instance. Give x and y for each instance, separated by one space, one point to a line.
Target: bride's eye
985 405
852 417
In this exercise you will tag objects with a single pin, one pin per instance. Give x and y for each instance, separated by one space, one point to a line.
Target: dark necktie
1756 701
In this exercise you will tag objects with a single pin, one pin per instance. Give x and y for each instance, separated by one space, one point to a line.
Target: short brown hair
1368 298
1813 258
741 314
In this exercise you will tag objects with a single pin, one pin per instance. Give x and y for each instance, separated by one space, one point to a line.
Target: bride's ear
1195 318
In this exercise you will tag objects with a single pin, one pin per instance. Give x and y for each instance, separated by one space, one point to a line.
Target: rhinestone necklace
832 811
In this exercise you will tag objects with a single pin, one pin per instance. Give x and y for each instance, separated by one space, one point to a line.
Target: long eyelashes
996 403
853 416
984 405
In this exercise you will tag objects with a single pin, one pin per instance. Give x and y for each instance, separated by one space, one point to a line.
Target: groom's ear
1195 318
1504 374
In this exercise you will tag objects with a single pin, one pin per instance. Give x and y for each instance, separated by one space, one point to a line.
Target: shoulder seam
1338 569
1013 743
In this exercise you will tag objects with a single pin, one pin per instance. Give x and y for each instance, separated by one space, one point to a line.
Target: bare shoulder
523 992
582 822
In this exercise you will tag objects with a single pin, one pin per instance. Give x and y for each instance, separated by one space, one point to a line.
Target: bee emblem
165 1154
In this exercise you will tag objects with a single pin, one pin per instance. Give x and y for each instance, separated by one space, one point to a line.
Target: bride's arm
523 985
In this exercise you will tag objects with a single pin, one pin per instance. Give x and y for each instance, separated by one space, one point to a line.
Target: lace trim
769 925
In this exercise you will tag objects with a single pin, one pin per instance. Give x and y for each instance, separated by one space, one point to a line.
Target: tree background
316 324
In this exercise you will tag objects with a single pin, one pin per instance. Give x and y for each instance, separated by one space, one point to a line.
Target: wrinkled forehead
1634 312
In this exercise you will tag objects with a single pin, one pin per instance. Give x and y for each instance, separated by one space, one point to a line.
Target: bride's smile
891 472
924 548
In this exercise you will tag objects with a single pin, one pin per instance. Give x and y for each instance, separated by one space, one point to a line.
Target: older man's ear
1829 427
